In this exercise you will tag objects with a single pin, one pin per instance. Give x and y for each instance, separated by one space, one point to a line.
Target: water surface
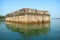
43 31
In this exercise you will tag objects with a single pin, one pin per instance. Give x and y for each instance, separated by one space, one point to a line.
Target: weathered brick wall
28 18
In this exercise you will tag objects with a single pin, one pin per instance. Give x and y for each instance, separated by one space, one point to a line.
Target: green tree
2 17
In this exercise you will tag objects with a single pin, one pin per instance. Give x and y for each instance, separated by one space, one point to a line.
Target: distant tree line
2 17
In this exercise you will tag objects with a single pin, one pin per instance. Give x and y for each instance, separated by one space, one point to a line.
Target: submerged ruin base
33 22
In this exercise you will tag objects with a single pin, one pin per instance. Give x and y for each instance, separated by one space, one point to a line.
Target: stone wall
29 18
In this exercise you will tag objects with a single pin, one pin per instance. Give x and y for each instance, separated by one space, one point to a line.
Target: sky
53 6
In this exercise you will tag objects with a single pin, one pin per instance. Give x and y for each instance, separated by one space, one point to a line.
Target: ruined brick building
28 15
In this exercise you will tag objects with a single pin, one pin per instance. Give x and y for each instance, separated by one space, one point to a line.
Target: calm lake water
14 31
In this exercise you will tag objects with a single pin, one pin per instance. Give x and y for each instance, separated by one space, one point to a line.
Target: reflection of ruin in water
29 29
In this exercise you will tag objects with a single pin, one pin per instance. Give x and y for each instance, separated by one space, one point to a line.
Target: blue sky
53 6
